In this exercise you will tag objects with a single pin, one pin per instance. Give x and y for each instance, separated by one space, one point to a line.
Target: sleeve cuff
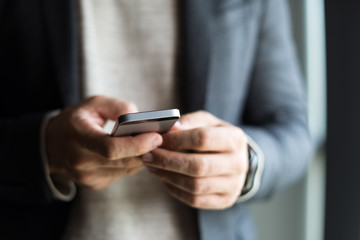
60 188
257 178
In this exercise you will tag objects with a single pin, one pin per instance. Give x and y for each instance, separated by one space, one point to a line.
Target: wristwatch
253 176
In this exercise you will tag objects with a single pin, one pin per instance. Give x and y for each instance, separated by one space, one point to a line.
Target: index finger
198 119
114 148
195 164
206 139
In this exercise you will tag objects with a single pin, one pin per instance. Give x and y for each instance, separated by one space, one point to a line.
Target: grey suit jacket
239 64
243 68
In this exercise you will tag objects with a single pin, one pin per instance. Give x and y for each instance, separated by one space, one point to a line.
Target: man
238 65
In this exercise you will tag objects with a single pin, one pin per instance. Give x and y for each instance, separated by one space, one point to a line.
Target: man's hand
79 149
203 161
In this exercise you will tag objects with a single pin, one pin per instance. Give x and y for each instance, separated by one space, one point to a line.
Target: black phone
143 122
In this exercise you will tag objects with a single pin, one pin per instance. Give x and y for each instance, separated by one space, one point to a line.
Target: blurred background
324 205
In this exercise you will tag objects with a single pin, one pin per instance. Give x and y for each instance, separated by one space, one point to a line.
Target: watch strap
253 176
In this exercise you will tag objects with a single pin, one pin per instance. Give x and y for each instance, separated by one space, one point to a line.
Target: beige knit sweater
129 52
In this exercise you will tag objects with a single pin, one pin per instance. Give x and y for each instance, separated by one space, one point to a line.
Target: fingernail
147 157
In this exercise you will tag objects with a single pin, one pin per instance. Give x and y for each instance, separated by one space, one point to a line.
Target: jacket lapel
62 30
195 38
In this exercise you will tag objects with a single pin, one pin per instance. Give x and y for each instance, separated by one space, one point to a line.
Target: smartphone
143 122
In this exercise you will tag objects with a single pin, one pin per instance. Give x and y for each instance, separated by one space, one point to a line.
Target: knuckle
238 163
195 201
199 167
73 126
108 150
198 186
229 201
128 162
139 149
237 184
243 167
104 182
95 98
224 201
201 138
84 178
80 164
239 138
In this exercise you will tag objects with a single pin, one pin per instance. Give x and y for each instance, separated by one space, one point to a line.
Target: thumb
197 120
110 108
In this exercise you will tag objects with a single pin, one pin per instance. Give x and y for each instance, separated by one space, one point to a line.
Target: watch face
254 174
250 176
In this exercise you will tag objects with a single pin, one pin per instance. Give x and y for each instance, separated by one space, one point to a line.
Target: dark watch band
253 176
250 176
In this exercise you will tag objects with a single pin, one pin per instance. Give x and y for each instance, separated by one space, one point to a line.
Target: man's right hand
80 150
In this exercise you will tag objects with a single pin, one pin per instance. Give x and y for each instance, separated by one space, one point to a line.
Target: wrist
60 188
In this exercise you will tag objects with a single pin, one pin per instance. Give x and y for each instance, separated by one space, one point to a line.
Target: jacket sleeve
38 70
22 175
276 114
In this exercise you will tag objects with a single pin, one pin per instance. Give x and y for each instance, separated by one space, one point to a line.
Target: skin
80 150
202 161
